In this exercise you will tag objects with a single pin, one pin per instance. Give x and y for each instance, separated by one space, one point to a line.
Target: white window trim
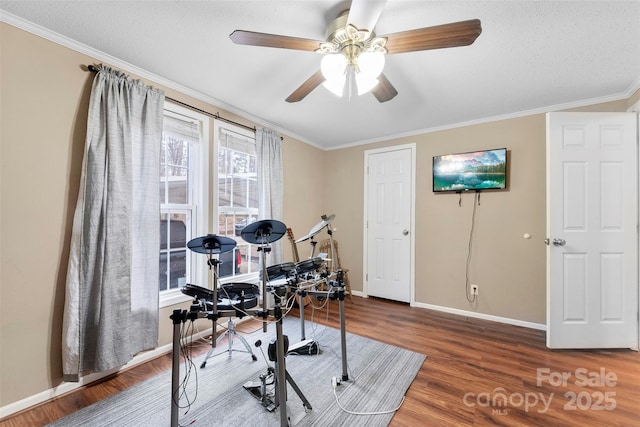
199 161
217 125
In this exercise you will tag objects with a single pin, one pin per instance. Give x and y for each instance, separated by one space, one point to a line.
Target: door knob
559 242
405 232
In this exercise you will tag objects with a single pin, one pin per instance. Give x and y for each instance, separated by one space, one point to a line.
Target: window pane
173 253
253 193
178 230
241 222
240 190
180 136
244 251
163 174
176 168
164 271
229 263
252 258
178 188
224 191
237 199
177 153
178 268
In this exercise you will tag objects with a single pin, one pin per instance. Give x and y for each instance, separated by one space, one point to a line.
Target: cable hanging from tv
460 197
476 203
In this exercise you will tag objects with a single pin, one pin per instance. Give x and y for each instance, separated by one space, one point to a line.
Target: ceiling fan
355 54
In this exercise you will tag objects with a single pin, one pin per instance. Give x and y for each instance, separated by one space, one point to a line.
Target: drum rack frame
182 316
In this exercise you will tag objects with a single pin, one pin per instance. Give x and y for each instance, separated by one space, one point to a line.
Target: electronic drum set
241 299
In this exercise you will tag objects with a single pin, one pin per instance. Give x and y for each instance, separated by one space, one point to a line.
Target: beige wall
509 269
633 99
303 188
43 111
44 98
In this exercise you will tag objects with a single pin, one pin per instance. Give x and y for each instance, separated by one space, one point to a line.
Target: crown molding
100 56
543 110
111 60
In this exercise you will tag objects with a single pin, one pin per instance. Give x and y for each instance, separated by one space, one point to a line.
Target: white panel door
592 202
389 222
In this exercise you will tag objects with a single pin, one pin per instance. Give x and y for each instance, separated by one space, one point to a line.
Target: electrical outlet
474 289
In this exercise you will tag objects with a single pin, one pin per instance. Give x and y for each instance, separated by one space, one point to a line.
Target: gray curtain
270 182
111 305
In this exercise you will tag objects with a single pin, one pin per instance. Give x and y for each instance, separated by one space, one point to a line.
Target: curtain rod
217 116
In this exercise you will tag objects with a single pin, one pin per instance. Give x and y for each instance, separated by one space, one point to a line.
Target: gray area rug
379 376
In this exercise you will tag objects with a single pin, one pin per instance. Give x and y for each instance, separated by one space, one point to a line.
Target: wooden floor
477 373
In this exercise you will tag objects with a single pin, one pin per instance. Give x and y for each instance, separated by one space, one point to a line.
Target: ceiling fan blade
273 40
384 90
461 33
305 88
364 14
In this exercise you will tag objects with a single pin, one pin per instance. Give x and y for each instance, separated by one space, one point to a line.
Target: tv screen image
478 170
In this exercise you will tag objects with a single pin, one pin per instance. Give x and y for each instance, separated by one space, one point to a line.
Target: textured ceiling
531 56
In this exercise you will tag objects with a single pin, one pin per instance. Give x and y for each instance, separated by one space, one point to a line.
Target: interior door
592 225
389 182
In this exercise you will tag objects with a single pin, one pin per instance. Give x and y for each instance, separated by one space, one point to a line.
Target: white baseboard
482 316
474 314
66 387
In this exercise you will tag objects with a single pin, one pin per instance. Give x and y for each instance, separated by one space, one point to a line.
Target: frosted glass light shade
333 66
334 69
365 84
370 64
335 86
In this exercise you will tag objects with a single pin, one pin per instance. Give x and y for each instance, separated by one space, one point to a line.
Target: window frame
198 190
219 125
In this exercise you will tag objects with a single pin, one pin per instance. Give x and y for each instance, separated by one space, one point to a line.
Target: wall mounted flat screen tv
474 171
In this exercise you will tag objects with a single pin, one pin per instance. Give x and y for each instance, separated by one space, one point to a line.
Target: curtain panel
111 305
270 182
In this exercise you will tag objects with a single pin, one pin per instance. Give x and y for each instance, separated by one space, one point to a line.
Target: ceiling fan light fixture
335 86
351 34
365 84
370 65
378 45
333 66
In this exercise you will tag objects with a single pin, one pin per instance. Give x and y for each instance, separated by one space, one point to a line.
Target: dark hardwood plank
465 355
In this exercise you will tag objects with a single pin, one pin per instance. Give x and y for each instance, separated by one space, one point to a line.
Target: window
183 162
185 196
237 196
